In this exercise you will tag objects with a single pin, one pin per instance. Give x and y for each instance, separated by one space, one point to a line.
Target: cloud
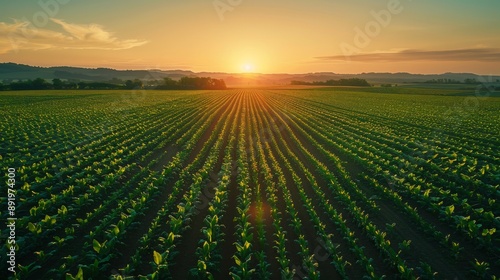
21 35
474 54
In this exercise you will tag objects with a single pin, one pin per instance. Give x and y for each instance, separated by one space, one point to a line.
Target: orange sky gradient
255 36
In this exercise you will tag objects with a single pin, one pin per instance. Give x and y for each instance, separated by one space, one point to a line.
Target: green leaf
450 209
116 230
157 258
235 276
237 260
79 275
202 266
96 245
247 245
401 269
171 238
63 210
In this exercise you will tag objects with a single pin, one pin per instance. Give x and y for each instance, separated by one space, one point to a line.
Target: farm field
316 183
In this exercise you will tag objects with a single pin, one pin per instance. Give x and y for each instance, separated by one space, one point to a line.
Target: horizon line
245 73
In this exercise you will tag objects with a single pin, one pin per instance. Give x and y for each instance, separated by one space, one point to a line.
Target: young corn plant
480 268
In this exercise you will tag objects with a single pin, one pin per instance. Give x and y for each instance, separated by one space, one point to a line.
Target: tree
169 82
471 81
57 84
40 83
135 84
219 84
129 84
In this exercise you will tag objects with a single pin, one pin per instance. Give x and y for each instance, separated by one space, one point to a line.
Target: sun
247 68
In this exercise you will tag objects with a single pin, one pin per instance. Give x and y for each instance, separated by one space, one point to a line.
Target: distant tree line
448 81
167 83
342 82
469 81
42 84
27 85
192 83
388 85
485 86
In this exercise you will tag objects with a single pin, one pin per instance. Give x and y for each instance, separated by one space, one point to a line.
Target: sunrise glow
278 37
248 68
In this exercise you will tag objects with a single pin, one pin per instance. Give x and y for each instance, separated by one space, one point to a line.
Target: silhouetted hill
15 72
12 71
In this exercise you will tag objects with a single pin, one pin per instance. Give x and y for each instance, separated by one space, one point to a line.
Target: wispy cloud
21 35
474 54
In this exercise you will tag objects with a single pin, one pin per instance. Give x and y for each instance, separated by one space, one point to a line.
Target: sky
262 36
